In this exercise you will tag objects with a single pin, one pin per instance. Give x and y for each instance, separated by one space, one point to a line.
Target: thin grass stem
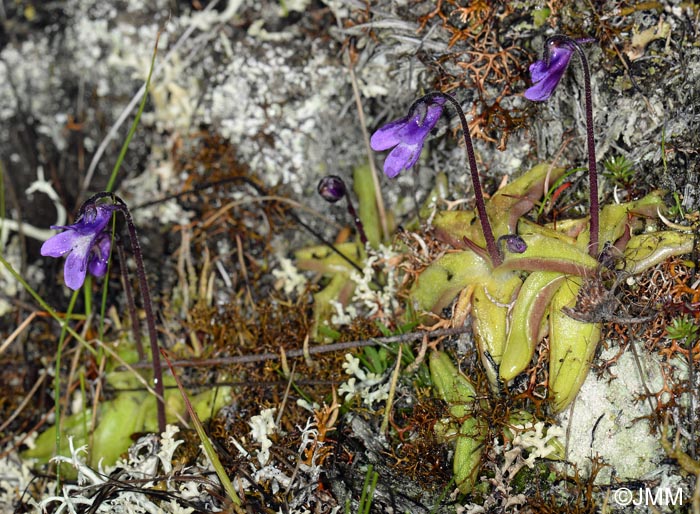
57 382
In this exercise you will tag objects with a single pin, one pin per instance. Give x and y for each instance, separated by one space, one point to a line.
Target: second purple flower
547 72
406 136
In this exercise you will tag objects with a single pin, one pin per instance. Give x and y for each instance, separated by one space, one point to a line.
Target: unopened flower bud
513 243
332 188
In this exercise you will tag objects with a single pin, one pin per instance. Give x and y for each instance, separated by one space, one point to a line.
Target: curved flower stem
150 317
491 245
120 205
356 219
590 140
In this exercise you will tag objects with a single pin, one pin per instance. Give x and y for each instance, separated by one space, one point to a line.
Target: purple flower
86 243
406 136
547 73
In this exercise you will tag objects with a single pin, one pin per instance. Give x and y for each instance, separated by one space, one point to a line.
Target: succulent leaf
572 345
526 321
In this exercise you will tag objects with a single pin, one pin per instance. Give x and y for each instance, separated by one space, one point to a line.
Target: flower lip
406 136
98 260
85 244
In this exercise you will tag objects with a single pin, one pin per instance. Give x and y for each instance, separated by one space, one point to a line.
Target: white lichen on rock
270 100
605 420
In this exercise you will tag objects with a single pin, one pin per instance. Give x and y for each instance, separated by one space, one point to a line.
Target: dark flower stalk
407 135
546 74
332 189
148 307
491 246
135 325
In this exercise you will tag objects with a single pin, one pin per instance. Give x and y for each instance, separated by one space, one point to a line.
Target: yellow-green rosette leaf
490 306
450 385
468 449
546 253
440 282
526 321
571 347
646 250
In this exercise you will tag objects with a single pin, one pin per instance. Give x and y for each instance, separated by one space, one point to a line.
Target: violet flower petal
76 265
546 76
401 158
406 136
99 256
60 244
85 244
546 73
387 136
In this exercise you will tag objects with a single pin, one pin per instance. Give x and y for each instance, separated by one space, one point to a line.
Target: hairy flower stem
135 325
491 245
120 205
150 316
590 140
356 219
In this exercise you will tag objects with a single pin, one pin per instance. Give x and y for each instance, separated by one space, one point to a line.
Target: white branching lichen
343 314
532 441
380 302
536 440
369 386
288 278
142 463
262 426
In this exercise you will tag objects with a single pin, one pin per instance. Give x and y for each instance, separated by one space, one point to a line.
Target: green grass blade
57 382
135 124
368 488
208 448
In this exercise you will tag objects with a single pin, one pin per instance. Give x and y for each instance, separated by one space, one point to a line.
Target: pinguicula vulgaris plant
86 245
521 280
520 291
